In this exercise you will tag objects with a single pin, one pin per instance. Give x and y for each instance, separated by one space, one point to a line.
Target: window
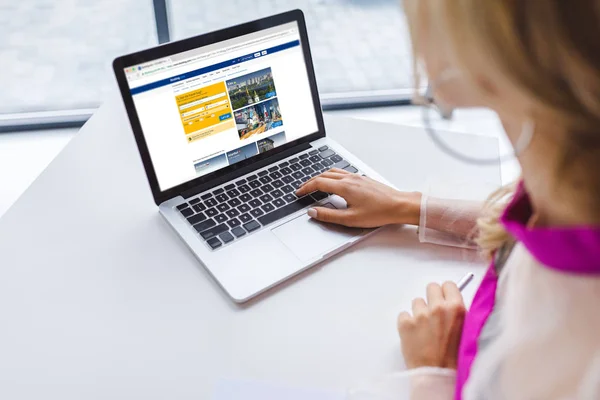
58 53
357 45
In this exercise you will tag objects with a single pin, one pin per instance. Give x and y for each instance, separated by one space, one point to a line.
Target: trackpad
308 239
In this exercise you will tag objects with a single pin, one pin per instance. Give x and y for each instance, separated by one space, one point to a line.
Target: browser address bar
229 49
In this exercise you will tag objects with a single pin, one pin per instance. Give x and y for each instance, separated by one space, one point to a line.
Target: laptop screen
214 106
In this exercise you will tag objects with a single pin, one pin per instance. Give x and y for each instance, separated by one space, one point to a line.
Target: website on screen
215 106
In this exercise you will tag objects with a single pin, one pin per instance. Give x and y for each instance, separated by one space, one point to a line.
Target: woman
533 330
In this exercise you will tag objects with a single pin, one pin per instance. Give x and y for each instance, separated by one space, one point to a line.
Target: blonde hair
549 52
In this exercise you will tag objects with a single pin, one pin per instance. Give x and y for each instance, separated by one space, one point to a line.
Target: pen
465 281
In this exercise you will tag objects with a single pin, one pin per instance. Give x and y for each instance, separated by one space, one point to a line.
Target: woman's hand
370 203
431 336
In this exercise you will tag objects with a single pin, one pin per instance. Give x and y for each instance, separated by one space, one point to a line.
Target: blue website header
214 67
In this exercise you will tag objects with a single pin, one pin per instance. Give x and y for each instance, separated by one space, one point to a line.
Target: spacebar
286 210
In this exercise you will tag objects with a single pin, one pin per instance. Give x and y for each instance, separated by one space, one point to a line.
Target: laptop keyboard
229 213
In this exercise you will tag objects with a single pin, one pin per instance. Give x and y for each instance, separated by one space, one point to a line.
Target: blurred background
59 52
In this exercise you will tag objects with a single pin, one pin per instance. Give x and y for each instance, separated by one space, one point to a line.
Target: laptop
228 125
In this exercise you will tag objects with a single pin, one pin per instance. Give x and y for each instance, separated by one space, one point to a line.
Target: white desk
99 299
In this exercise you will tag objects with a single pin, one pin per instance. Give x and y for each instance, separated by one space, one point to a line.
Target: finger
328 175
419 306
452 293
435 296
340 171
334 216
404 322
322 184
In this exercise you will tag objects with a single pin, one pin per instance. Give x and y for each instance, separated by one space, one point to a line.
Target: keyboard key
234 222
244 208
336 158
182 206
307 170
186 212
268 207
318 166
238 231
211 202
255 203
277 183
287 179
244 188
252 226
255 184
230 186
202 226
232 213
206 196
303 156
327 163
273 168
276 175
257 212
251 177
221 218
341 164
240 182
199 207
287 189
256 193
194 201
313 152
284 164
226 237
266 198
267 188
233 193
323 148
286 210
315 174
296 184
289 198
304 179
222 198
279 203
265 179
315 159
276 193
286 171
327 153
194 219
350 168
306 163
223 207
218 191
297 175
245 218
245 197
211 212
234 202
214 243
296 167
319 195
214 231
293 160
263 173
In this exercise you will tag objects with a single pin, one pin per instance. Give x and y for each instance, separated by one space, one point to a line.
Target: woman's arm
372 204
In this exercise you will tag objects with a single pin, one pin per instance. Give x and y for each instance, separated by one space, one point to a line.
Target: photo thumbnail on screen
258 118
251 88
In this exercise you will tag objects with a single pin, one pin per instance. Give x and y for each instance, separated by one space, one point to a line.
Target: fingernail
312 213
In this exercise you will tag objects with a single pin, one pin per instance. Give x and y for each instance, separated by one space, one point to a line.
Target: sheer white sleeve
416 384
448 222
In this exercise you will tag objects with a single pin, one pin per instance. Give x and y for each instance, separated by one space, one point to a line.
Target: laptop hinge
243 171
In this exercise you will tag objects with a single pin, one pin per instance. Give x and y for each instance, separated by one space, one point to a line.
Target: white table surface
99 299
